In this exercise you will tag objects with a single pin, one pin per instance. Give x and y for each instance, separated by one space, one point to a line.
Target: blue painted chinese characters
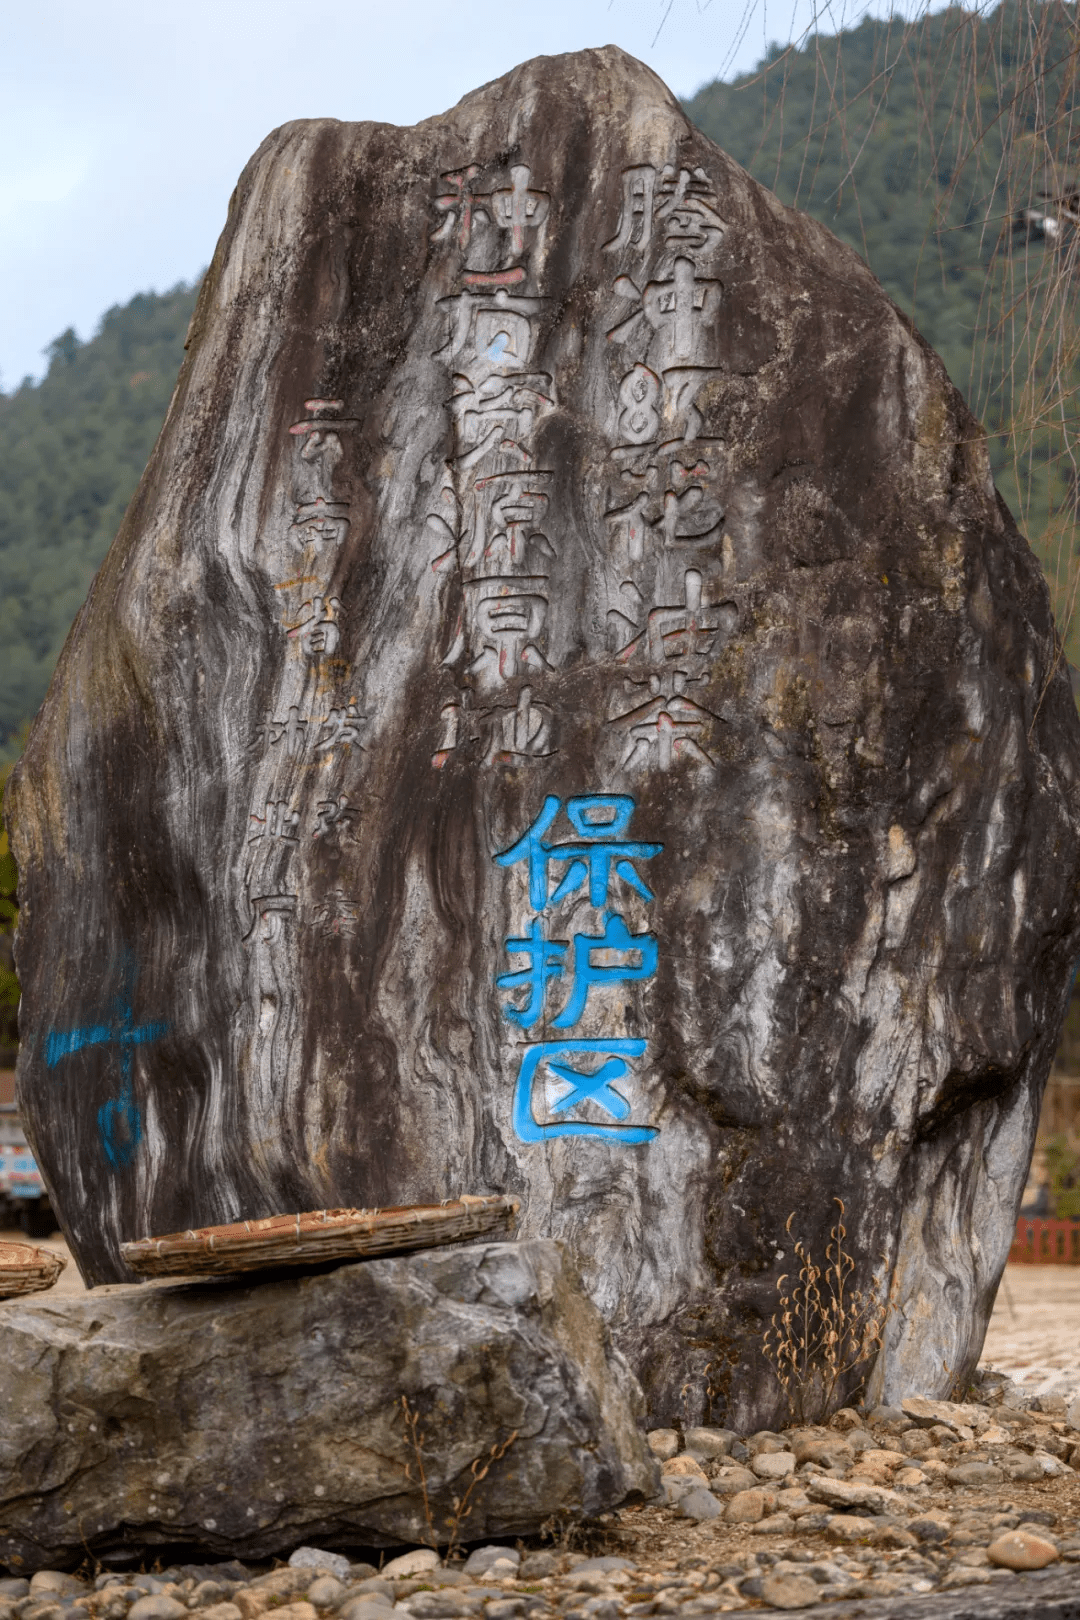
119 1119
600 860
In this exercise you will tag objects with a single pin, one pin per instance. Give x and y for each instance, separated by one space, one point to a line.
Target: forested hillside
72 449
924 146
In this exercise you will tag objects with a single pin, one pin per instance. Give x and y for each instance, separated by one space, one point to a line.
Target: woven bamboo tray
318 1236
25 1269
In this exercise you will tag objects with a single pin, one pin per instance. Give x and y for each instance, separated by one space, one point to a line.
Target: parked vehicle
23 1199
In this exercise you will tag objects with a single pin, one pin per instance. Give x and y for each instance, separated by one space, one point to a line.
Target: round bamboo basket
25 1269
319 1236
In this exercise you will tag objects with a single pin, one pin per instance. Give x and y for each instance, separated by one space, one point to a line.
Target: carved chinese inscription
492 522
665 486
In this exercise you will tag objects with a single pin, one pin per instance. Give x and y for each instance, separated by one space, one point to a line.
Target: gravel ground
936 1498
886 1504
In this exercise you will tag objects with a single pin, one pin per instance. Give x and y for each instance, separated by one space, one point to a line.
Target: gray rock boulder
565 713
251 1417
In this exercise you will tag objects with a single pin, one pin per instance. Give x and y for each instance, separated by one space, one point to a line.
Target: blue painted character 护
546 959
617 939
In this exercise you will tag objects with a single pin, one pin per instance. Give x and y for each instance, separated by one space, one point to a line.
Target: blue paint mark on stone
595 1086
119 1120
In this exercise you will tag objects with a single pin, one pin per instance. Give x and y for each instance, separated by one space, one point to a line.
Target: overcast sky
125 123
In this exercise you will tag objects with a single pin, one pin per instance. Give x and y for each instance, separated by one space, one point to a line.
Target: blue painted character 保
602 819
119 1120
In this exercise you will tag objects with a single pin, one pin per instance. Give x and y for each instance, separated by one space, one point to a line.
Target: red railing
1041 1240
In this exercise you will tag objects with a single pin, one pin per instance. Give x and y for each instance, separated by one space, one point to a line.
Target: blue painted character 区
563 1059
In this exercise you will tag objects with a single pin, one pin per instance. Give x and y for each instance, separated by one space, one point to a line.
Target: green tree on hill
72 450
924 145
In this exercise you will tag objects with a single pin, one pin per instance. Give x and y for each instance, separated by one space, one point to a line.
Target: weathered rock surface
566 713
252 1417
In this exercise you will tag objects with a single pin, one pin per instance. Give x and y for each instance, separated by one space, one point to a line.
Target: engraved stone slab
566 715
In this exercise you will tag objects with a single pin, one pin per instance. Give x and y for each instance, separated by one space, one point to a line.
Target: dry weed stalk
463 1505
824 1329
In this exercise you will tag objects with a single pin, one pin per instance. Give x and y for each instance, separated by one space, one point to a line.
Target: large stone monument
566 713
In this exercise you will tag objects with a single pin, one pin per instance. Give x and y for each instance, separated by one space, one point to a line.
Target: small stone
1021 1549
54 1583
700 1504
610 1563
206 1594
790 1591
886 1414
315 1558
747 1507
417 1562
893 1535
685 1466
13 1588
975 1473
773 1464
508 1608
503 1569
1072 1413
827 1451
840 1493
1023 1470
368 1606
908 1478
850 1527
1051 1466
326 1592
1054 1406
295 1611
442 1605
251 1604
846 1418
221 1611
707 1444
793 1501
663 1443
962 1575
160 1608
765 1440
483 1558
728 1481
538 1566
960 1418
933 1528
1044 1516
774 1524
